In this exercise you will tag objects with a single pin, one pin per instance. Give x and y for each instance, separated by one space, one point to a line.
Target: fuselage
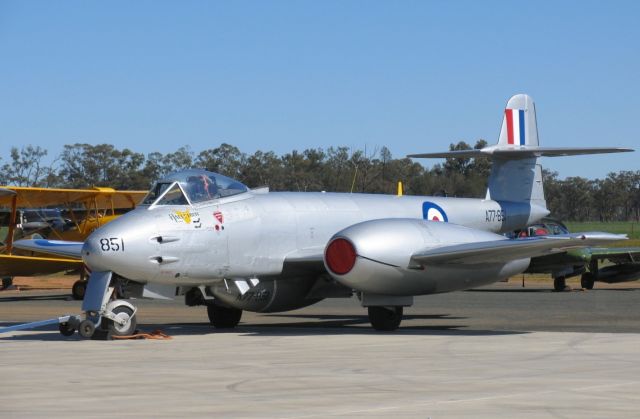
251 234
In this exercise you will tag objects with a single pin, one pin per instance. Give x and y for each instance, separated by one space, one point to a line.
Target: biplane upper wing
15 265
43 197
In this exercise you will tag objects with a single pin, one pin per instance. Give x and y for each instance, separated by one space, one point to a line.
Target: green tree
26 168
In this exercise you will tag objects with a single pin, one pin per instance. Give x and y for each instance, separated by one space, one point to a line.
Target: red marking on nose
435 218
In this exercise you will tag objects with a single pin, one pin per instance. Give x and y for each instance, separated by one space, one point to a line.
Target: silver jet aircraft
231 248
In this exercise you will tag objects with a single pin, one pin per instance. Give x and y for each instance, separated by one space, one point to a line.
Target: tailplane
516 174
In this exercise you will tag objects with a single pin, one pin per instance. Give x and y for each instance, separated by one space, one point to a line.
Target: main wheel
128 328
587 280
78 289
66 329
385 318
223 317
559 283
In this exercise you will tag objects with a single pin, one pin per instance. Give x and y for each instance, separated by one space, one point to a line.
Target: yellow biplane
28 213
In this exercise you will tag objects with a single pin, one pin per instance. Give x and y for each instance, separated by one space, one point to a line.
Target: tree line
335 169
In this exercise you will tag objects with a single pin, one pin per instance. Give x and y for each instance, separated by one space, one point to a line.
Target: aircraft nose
121 246
94 257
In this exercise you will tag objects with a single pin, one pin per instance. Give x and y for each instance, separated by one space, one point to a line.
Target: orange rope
156 334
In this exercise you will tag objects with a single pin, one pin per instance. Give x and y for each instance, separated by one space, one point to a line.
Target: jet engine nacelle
267 296
375 257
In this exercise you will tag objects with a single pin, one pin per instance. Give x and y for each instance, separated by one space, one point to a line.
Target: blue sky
414 76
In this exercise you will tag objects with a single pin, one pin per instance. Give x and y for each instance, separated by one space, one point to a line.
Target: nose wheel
125 322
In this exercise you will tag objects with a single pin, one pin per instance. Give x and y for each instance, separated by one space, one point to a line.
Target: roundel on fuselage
433 212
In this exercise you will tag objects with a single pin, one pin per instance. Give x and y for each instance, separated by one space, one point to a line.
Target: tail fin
518 180
519 123
516 175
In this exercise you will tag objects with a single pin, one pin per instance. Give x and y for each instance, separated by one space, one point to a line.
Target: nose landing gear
115 317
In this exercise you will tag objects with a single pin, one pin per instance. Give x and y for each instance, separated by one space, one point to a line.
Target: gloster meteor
230 248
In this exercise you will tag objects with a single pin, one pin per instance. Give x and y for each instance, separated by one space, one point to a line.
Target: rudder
519 126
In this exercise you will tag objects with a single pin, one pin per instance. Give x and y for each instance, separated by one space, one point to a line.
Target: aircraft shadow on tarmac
545 290
325 325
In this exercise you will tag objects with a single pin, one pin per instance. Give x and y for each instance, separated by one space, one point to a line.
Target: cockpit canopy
192 186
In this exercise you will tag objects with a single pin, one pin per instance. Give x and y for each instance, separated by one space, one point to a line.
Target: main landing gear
587 280
385 311
385 319
220 316
559 283
223 317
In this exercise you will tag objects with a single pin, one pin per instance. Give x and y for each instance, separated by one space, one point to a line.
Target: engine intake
375 257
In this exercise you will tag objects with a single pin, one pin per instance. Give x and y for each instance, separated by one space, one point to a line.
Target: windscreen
155 193
191 187
174 196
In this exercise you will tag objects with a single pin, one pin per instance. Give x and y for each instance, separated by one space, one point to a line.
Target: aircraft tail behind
516 175
517 179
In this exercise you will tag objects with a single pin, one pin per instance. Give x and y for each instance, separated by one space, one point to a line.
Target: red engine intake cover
340 256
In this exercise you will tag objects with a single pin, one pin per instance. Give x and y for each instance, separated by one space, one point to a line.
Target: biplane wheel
7 282
587 280
559 283
385 318
128 328
86 328
223 317
66 329
78 289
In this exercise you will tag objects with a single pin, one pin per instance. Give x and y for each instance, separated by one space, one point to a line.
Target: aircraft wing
309 255
500 251
55 247
305 260
14 265
43 197
617 254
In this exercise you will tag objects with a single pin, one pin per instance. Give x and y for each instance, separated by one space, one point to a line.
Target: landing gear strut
385 318
223 317
588 279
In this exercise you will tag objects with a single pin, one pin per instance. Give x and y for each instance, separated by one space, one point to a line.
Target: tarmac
497 351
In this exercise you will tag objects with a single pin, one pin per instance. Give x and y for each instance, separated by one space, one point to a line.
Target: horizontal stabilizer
523 152
53 247
502 251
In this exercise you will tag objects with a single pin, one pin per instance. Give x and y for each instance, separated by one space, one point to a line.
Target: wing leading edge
501 251
42 197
